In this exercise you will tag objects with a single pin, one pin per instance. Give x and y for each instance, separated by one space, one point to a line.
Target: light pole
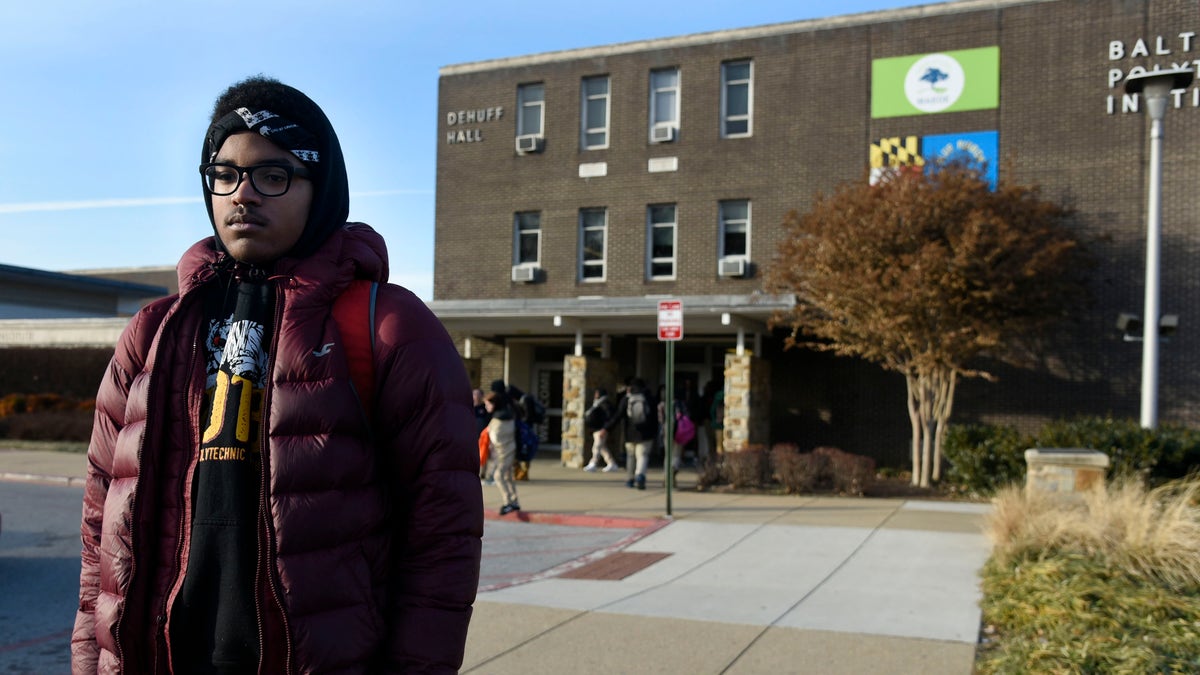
1155 86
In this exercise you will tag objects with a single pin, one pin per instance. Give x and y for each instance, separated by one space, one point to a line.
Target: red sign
670 320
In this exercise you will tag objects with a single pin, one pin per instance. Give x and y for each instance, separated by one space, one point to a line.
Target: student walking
502 431
636 415
595 418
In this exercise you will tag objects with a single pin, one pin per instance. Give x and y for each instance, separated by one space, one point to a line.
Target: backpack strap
354 312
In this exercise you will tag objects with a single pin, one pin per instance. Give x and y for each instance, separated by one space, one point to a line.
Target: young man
635 414
247 510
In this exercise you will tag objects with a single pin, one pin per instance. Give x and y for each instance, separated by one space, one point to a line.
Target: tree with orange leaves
922 273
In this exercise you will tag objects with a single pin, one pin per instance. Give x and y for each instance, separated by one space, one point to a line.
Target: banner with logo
924 84
975 149
978 150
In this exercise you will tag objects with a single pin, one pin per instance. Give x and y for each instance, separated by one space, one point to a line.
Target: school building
576 190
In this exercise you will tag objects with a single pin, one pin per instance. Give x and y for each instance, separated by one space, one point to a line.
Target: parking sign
670 320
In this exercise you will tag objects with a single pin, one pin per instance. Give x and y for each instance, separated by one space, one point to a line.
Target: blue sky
103 104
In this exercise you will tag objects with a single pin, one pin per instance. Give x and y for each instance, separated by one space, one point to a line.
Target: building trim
702 314
59 333
769 30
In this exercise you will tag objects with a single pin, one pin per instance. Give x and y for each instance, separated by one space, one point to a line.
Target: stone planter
1064 470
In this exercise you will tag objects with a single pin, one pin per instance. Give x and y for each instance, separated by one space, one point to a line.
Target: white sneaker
611 467
590 467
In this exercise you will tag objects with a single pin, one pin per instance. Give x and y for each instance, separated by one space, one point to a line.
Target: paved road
39 576
39 567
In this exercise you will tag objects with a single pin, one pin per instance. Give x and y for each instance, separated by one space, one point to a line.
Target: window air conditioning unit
732 267
528 143
662 134
524 273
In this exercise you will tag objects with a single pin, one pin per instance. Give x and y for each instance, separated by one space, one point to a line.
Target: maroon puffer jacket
373 542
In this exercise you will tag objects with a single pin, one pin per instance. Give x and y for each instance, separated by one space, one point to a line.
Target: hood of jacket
354 251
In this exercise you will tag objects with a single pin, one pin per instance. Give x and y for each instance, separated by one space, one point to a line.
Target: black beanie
292 121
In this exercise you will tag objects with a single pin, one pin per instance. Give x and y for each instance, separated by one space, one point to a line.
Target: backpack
485 447
527 442
354 313
535 412
635 408
685 429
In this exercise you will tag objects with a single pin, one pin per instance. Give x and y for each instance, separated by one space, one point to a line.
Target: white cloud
30 207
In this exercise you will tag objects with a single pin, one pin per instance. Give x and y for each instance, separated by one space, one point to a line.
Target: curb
577 519
38 478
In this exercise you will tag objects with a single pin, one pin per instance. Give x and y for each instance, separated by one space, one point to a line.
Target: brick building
577 188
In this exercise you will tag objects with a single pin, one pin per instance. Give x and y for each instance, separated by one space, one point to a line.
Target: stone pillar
747 402
1065 471
581 375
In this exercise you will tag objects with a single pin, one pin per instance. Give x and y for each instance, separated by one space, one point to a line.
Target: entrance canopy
702 315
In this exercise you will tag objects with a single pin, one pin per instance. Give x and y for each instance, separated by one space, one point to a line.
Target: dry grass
1148 533
1106 583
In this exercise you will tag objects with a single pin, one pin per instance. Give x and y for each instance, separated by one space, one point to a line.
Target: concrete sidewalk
736 583
591 577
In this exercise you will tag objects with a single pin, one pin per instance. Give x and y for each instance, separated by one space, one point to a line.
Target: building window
661 222
531 101
527 243
735 229
594 118
664 103
737 98
593 225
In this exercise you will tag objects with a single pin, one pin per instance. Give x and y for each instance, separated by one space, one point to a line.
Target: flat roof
769 30
78 282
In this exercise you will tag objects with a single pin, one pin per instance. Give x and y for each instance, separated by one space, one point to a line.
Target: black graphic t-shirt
215 629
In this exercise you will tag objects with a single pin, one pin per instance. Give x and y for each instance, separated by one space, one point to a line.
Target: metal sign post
670 330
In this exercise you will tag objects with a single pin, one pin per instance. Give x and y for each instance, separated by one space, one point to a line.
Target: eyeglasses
269 180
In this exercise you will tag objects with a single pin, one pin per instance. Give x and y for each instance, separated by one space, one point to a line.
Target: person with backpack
528 412
594 419
636 415
502 434
252 503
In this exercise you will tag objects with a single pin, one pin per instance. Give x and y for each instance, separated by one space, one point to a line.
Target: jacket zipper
151 380
185 511
264 453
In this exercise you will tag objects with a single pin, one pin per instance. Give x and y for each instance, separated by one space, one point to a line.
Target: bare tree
923 272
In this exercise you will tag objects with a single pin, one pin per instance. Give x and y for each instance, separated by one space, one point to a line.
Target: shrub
48 425
1163 454
849 473
983 458
1130 448
709 471
19 404
747 468
797 472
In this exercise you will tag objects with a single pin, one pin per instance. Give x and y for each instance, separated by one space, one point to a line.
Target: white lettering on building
475 116
1177 48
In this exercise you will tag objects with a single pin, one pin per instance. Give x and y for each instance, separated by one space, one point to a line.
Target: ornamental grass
1106 581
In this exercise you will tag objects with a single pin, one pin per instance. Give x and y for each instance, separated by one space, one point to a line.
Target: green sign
924 84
